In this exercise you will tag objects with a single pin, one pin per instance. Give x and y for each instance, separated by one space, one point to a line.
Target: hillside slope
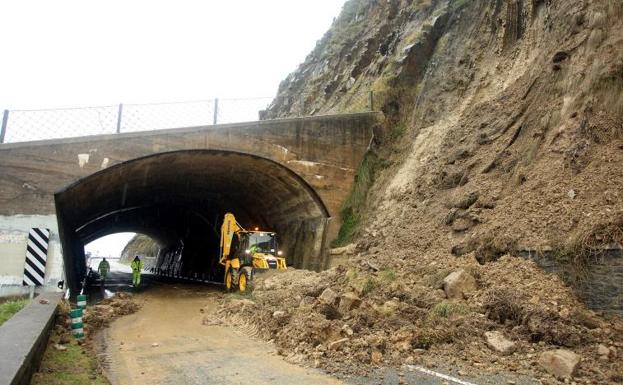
503 136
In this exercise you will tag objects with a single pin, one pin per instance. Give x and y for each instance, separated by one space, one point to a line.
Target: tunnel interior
179 199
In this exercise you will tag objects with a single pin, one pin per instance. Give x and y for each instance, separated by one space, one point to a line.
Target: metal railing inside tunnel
29 125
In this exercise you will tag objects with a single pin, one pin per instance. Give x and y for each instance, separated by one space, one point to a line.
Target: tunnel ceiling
135 195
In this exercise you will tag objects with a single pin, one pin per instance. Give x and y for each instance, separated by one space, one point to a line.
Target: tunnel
179 199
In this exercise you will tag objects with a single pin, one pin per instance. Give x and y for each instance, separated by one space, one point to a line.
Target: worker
103 268
137 266
254 248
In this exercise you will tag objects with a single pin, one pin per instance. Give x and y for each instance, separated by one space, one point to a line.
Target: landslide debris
503 133
349 319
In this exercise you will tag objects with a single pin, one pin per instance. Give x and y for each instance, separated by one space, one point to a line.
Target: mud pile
99 316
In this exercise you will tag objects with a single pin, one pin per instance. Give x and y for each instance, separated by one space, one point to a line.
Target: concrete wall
13 238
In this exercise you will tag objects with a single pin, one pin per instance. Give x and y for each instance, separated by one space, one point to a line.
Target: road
165 342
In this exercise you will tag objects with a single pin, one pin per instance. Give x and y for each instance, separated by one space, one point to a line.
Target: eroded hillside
502 138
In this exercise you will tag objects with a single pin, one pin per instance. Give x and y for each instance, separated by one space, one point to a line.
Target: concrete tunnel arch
180 197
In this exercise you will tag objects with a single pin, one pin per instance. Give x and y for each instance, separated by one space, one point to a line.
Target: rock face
499 343
459 283
561 363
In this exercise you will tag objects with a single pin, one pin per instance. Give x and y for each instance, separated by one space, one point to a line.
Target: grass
74 366
387 275
9 308
354 205
447 309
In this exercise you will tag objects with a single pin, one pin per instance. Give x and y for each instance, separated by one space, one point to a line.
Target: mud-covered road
166 343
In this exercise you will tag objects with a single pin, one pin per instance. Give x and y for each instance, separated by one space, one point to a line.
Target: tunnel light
257 228
280 252
247 251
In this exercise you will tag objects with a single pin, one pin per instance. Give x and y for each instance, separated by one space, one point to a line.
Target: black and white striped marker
36 257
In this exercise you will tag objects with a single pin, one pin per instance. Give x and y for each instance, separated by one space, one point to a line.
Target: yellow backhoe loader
243 251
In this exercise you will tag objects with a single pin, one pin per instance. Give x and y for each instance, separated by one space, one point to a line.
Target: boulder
559 362
279 314
328 296
499 343
348 302
459 283
348 250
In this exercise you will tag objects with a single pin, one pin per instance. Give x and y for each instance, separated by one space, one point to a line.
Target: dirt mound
98 316
350 318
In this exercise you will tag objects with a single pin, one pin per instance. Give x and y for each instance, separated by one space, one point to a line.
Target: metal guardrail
27 125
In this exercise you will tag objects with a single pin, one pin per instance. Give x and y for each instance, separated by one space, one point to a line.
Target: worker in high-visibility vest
137 267
103 268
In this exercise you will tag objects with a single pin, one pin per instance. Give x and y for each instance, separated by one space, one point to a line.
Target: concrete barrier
24 337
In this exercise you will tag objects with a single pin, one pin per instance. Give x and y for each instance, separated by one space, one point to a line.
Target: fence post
5 120
371 100
119 113
215 120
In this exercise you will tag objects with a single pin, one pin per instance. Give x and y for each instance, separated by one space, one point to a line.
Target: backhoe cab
243 251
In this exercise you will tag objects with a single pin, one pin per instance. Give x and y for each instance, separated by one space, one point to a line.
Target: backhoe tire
242 282
229 281
246 277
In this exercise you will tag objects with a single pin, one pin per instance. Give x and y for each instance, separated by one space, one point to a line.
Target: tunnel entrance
179 199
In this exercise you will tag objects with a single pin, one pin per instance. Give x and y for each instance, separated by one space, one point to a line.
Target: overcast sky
72 53
67 53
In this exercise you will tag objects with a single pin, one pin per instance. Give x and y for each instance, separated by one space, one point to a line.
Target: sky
77 53
72 53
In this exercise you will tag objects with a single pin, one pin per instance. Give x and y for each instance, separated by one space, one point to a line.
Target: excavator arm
229 227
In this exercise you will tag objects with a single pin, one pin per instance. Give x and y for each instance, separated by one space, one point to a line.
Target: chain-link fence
28 125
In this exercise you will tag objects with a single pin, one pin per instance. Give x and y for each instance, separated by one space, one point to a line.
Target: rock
44 301
466 201
335 344
242 302
603 350
155 345
279 314
564 313
349 301
347 330
376 357
571 194
461 224
328 296
560 362
459 283
499 343
348 250
60 347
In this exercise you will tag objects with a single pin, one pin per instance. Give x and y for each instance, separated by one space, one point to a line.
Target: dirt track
188 352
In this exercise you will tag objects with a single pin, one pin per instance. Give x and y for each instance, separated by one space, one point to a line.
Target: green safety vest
137 266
